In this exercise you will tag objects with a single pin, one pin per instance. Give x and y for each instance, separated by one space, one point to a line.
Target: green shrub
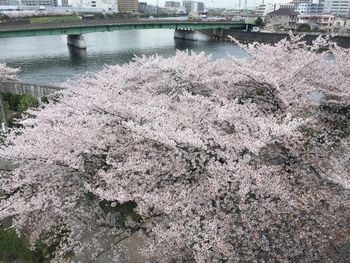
304 28
27 101
12 100
14 248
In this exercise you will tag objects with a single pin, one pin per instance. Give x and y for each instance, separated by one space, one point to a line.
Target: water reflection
77 56
183 44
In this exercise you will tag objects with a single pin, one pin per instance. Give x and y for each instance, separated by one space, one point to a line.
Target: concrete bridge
15 87
75 30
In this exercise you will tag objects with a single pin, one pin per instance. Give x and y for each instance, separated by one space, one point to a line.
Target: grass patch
54 19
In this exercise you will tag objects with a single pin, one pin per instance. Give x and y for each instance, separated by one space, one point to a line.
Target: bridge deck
84 27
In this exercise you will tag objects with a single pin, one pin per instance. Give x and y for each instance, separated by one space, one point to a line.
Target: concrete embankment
16 87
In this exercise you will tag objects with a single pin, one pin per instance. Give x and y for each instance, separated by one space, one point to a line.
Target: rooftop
283 12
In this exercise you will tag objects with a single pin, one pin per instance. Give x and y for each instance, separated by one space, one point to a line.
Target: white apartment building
192 6
106 5
46 3
324 22
337 7
310 8
263 10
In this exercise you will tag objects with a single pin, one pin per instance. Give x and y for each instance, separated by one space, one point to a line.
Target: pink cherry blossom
216 155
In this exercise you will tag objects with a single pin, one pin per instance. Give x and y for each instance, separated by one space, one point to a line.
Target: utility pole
157 9
3 113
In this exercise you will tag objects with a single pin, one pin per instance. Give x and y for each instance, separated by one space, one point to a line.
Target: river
48 60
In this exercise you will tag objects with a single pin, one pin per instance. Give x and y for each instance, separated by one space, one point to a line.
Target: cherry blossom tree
30 13
7 73
233 160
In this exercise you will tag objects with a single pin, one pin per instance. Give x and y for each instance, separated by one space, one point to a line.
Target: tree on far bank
304 28
259 22
233 160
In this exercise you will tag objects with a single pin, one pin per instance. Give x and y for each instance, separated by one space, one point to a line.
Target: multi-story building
322 22
105 5
192 6
172 4
198 7
147 9
310 8
10 2
283 18
263 10
171 7
128 6
288 5
341 23
39 2
188 6
143 7
297 2
337 7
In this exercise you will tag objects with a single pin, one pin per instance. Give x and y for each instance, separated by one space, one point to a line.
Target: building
263 10
310 8
341 25
288 5
181 10
172 4
283 19
105 5
147 9
128 6
143 7
10 2
188 6
171 7
198 7
321 22
337 7
47 3
297 2
341 22
192 6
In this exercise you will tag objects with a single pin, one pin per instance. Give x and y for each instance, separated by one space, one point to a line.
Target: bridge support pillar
77 41
193 35
218 32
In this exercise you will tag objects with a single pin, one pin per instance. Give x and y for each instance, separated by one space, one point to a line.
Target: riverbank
272 37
